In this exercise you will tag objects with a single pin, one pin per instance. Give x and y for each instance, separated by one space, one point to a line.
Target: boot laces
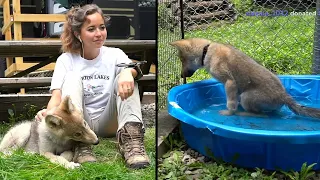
84 150
133 144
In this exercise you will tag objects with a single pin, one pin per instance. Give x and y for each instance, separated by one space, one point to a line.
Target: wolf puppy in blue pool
258 89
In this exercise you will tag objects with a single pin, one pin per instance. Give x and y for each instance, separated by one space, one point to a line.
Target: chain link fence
169 29
279 34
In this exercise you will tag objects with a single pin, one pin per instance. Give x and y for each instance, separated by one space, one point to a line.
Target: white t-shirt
97 76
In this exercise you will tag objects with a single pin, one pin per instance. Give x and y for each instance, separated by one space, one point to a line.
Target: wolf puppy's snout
90 137
96 143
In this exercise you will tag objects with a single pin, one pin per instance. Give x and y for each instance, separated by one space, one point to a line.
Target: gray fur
257 88
55 136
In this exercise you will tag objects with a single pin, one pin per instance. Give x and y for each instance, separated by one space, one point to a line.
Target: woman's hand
125 84
54 102
41 114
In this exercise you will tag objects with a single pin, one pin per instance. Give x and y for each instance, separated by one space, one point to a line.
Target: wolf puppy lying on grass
55 136
258 89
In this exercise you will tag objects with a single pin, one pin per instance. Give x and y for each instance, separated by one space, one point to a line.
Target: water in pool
283 120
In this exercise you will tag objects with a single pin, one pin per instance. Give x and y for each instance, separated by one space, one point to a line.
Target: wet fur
257 88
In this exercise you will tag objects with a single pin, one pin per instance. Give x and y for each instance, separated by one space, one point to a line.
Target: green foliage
172 167
175 140
305 172
242 6
28 113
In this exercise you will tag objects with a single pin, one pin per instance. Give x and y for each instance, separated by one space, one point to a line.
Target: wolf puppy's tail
301 110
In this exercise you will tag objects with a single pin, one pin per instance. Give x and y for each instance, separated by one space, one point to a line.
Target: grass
110 164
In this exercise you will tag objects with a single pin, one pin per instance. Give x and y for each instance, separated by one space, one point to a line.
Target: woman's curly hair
75 17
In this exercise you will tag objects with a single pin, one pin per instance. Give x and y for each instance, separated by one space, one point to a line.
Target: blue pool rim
296 137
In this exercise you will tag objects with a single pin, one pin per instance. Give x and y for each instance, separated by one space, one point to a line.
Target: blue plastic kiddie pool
283 140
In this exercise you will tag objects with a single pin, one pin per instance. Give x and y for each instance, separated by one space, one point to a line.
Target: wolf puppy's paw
72 165
7 153
232 106
226 112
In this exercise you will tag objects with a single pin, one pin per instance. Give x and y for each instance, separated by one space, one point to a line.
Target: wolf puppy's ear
52 121
180 44
66 105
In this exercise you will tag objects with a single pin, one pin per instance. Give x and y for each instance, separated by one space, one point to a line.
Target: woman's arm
55 99
126 82
59 72
132 71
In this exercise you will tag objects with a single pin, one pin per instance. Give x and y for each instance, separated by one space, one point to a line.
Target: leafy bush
243 6
29 112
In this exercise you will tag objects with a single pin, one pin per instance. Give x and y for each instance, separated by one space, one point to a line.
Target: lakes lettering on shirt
95 77
94 85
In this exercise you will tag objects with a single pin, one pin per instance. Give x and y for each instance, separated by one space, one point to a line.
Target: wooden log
203 5
193 26
207 16
192 8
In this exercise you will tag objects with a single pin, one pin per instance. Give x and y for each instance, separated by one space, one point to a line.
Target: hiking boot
83 153
131 146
